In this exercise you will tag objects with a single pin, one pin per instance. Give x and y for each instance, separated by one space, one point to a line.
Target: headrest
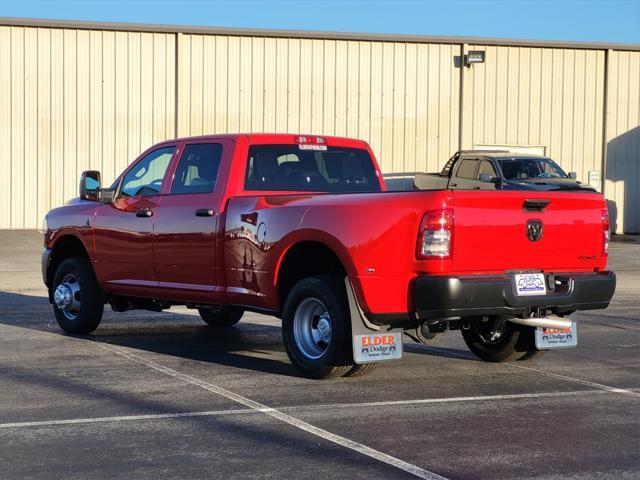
206 169
265 164
352 169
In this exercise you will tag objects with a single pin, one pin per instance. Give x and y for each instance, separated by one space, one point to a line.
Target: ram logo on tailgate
534 230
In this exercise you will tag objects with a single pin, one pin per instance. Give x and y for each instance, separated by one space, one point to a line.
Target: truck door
187 225
122 229
465 174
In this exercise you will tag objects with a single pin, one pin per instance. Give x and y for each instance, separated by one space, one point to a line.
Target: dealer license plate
530 284
377 347
547 338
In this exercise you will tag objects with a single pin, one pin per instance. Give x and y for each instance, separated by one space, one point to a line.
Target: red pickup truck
302 227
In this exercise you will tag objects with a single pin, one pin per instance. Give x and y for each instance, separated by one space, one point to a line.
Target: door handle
476 188
144 213
453 184
204 212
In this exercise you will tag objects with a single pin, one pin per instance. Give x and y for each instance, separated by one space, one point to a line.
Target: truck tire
498 340
226 316
527 343
77 299
316 328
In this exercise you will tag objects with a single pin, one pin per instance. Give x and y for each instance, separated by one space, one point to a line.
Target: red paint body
233 257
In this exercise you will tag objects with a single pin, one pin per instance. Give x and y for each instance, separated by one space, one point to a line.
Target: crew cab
499 170
301 227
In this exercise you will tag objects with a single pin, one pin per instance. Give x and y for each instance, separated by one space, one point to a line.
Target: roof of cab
287 138
500 154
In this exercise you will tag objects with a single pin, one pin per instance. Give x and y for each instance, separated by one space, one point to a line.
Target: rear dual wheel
317 330
222 317
498 340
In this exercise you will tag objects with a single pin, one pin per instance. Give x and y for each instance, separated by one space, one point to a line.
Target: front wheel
77 299
316 328
497 340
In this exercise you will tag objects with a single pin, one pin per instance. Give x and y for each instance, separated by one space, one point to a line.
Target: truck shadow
247 345
437 351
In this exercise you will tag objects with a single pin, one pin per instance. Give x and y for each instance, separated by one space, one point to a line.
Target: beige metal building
75 96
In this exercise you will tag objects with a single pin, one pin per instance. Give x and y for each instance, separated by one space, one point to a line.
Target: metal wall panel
538 97
72 100
403 98
622 172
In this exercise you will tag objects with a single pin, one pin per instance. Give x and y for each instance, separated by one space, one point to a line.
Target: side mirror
487 177
90 188
573 175
90 185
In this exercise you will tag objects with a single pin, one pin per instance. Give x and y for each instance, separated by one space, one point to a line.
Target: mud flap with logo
370 343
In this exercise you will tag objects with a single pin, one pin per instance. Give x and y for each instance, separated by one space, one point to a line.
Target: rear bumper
450 297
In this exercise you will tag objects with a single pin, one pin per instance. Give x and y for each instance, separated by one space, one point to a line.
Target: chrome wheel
68 296
312 329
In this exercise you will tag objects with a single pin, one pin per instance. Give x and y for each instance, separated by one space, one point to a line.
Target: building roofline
310 34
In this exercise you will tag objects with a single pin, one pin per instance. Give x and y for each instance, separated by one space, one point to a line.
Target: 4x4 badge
534 230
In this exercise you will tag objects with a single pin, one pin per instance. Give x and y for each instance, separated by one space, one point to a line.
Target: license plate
547 338
377 347
530 284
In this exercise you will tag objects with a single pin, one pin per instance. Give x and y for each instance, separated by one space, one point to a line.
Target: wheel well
306 259
66 247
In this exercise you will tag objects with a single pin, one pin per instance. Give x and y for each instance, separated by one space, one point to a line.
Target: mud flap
370 343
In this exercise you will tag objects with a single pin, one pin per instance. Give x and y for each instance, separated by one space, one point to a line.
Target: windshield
297 169
522 168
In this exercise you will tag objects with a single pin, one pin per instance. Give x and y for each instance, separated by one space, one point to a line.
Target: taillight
435 238
606 232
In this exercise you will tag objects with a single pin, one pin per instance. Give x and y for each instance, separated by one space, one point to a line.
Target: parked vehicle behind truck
302 227
499 170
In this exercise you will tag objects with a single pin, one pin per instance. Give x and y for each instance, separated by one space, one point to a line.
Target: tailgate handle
535 205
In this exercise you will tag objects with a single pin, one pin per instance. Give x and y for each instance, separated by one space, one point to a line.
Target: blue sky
583 20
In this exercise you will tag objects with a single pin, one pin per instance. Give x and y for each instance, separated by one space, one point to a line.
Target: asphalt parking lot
162 395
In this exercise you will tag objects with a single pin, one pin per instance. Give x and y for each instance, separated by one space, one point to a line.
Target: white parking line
479 398
599 386
126 418
283 417
241 411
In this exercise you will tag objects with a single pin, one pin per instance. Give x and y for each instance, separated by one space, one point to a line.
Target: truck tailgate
490 231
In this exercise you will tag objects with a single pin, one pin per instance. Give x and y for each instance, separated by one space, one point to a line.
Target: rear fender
332 243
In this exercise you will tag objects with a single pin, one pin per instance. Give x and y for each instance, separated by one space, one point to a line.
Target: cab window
290 168
487 167
197 171
145 178
467 169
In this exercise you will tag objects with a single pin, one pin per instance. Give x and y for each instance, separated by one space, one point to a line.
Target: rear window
288 168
